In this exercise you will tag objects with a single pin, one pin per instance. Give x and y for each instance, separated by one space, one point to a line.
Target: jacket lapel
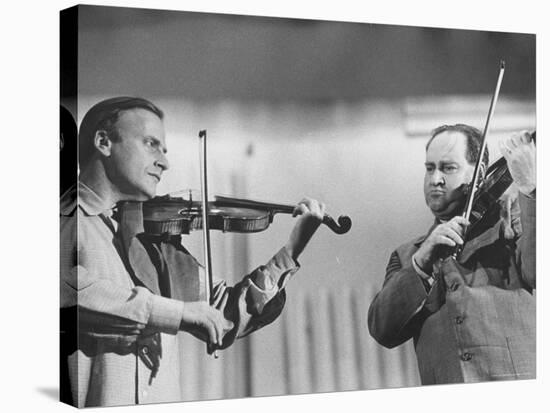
488 237
131 225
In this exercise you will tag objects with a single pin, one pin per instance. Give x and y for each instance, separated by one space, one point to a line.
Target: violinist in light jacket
126 299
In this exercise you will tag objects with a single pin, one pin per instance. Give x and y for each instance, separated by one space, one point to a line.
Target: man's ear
103 143
483 170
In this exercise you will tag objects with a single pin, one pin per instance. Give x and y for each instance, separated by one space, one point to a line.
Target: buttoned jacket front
477 321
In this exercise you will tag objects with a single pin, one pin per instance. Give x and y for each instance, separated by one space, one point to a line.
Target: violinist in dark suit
472 319
134 297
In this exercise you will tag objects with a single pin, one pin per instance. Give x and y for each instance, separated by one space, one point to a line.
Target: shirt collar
90 202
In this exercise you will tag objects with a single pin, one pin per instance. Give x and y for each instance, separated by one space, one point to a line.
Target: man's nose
162 161
438 178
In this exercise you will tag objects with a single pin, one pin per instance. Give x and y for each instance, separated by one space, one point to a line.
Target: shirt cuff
166 314
277 271
425 277
268 280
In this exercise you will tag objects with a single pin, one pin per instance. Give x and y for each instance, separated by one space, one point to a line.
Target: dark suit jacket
477 321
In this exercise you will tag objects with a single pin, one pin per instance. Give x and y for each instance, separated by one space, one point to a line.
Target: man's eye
150 144
429 168
449 169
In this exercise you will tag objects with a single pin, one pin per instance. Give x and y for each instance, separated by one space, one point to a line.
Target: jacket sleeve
258 299
403 302
526 245
104 308
253 302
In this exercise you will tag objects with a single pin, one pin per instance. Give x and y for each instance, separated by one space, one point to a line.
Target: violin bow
206 231
477 170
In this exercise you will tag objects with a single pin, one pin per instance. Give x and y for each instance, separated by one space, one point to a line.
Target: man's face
137 158
446 171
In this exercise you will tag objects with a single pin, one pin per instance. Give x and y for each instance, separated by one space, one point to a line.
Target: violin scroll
341 227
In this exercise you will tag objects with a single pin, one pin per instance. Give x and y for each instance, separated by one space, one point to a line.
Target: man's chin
445 211
149 195
141 196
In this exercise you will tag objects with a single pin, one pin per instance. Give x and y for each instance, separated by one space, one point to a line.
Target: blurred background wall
335 111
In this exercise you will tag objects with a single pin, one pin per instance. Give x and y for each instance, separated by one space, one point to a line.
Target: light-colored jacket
121 312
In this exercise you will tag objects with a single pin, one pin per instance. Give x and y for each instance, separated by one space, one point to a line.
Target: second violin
174 215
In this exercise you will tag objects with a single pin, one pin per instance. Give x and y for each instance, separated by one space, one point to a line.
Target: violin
483 193
497 180
173 215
